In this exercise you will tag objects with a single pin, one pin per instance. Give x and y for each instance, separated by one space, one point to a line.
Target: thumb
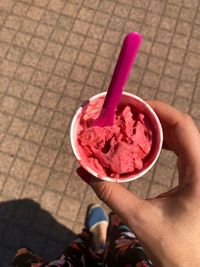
129 207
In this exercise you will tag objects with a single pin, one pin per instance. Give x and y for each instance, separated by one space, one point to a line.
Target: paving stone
157 189
18 127
12 188
10 144
57 181
195 110
56 54
46 156
16 88
4 81
28 150
43 116
50 201
38 174
76 187
33 94
32 191
5 120
40 78
5 162
20 169
24 73
26 110
163 175
53 49
86 14
46 63
35 133
37 44
22 39
71 9
2 180
3 49
64 162
60 121
69 208
44 31
50 17
28 25
197 94
140 187
66 105
79 74
59 36
7 67
165 97
182 104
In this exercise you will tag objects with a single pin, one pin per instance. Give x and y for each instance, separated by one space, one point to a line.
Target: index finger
180 133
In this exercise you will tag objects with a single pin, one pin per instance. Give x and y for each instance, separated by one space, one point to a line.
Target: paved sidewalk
54 54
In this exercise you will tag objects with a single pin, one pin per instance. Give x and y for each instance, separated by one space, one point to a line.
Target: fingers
180 133
128 206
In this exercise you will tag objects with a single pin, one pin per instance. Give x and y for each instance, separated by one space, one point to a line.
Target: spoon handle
120 75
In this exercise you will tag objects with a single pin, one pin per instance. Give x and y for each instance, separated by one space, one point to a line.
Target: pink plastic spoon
120 75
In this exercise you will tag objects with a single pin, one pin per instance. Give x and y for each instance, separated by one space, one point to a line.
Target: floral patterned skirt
122 249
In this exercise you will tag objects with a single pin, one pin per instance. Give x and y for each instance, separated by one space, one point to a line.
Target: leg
123 248
88 247
79 252
97 223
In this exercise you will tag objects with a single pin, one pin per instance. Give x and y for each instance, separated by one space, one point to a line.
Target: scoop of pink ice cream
119 149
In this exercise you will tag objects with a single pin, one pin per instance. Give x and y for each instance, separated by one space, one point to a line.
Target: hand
168 226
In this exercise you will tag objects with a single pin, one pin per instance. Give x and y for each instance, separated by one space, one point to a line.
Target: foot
97 222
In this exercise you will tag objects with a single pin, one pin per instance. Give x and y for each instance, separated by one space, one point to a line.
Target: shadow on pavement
24 224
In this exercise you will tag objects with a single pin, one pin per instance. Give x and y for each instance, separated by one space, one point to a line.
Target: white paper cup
156 128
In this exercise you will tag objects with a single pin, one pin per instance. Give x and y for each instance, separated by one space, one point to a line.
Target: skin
168 226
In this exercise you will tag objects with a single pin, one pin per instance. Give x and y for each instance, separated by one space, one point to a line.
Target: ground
54 54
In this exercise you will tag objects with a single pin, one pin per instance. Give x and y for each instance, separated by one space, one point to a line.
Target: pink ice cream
114 150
